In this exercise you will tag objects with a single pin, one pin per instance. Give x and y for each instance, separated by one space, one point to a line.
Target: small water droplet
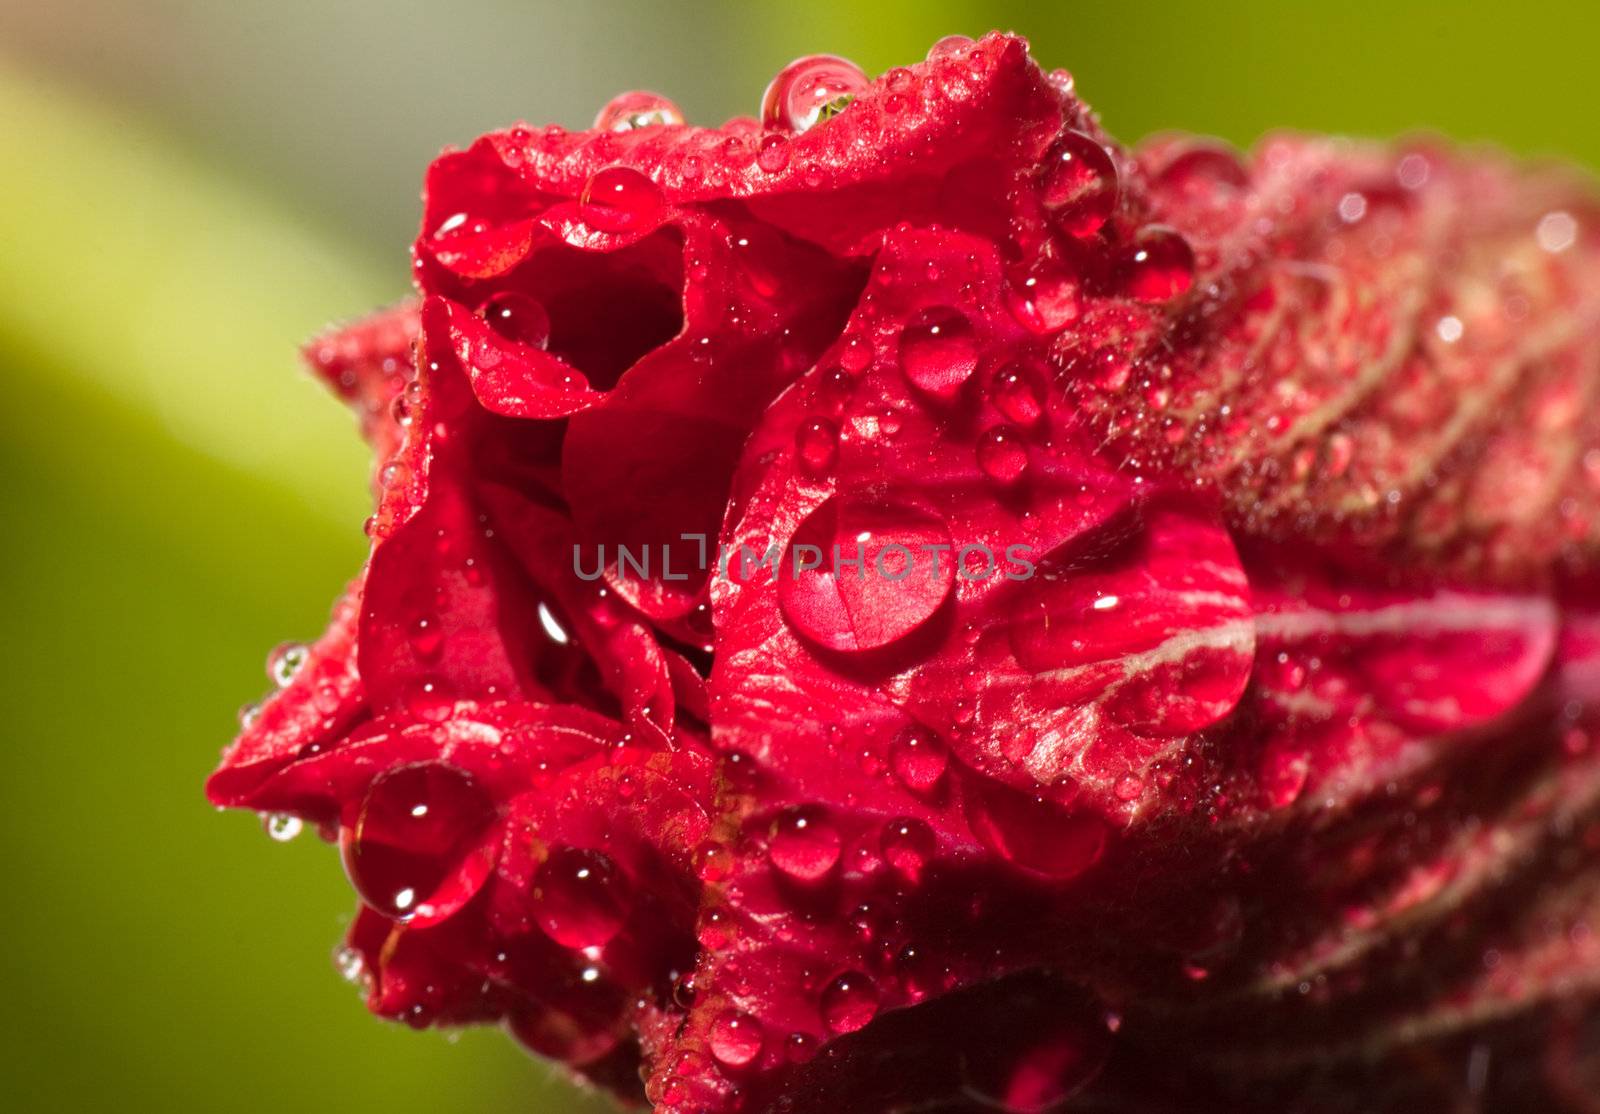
619 198
713 862
908 844
810 90
1079 185
803 843
849 1002
518 318
578 897
735 1038
919 759
1158 265
281 827
348 962
816 444
631 111
772 154
1002 455
938 351
285 661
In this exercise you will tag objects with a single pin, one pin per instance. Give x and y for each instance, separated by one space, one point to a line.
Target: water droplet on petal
1158 265
1036 833
631 111
578 897
518 318
619 198
281 827
348 962
1017 391
907 845
712 861
1079 187
938 351
849 1002
772 155
810 90
1001 454
285 661
735 1038
816 444
803 843
416 826
858 576
919 759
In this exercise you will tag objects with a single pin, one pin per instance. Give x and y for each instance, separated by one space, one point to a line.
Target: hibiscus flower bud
909 604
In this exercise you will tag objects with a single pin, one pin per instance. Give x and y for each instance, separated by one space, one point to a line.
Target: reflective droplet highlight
578 897
803 843
810 90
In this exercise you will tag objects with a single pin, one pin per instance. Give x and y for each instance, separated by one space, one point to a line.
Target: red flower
909 605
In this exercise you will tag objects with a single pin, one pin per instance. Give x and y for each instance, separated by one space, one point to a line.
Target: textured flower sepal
905 604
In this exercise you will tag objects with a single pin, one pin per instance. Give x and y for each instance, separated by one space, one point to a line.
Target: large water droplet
1158 265
1079 187
938 351
809 90
803 843
858 576
578 897
849 1002
1035 833
619 198
415 827
628 112
518 318
919 759
735 1038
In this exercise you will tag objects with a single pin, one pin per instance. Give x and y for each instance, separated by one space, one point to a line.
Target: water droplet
1200 166
1002 454
856 355
735 1038
919 759
880 572
950 44
1079 186
428 699
348 962
803 843
1556 231
518 318
406 850
578 897
816 444
619 198
712 861
849 1002
938 351
1035 833
1129 788
281 827
1158 265
1017 391
285 661
908 844
631 111
810 90
772 154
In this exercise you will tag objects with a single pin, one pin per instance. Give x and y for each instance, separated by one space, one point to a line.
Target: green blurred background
191 188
